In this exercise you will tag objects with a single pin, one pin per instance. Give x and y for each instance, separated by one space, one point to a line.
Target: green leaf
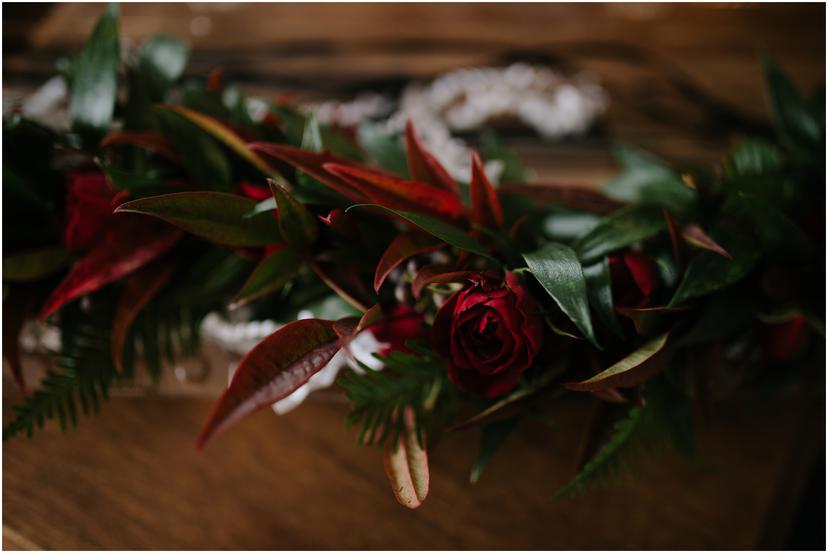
447 233
492 437
312 136
635 368
271 274
297 225
203 157
599 287
148 182
794 121
161 61
215 216
493 146
34 265
619 230
708 271
646 180
94 83
383 149
558 270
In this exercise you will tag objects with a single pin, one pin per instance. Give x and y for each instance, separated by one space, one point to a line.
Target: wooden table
130 478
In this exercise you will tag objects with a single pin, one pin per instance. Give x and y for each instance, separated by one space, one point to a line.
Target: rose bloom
491 332
634 279
89 208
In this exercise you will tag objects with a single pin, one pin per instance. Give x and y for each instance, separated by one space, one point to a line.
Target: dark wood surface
130 478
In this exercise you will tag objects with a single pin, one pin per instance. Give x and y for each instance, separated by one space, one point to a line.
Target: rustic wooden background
130 479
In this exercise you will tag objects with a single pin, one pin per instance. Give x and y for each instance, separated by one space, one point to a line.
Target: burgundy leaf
435 274
404 246
129 245
423 166
341 223
149 140
272 370
139 289
345 281
296 223
696 236
393 193
486 210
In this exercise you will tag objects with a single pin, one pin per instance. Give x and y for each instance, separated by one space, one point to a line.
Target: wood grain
130 478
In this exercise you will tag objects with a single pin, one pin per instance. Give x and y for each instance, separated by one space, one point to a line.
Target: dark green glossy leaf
271 274
619 230
646 180
599 287
34 265
215 216
447 233
708 271
94 82
558 270
492 437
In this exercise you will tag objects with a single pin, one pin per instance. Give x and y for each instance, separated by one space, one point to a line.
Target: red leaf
406 465
313 164
297 225
341 223
139 289
696 236
272 370
486 210
345 281
153 141
127 247
434 274
423 166
405 245
574 197
394 193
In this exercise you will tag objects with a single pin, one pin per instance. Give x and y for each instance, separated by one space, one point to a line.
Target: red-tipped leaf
128 246
139 289
486 210
394 193
297 225
424 167
435 274
404 246
696 236
272 370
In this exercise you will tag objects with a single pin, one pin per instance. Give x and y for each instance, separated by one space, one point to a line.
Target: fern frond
379 397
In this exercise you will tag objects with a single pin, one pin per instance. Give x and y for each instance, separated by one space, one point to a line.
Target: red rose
490 332
88 209
633 278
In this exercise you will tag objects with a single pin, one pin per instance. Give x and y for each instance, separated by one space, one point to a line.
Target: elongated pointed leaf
34 265
272 370
404 246
406 465
696 236
599 288
225 135
435 274
148 140
127 247
449 234
637 367
94 76
423 166
558 270
394 193
215 216
139 289
648 320
572 197
345 281
313 164
707 271
486 210
620 230
272 272
297 224
794 121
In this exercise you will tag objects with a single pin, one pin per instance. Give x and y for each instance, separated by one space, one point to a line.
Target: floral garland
166 202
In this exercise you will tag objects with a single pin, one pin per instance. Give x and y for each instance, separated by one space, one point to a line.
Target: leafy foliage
417 380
